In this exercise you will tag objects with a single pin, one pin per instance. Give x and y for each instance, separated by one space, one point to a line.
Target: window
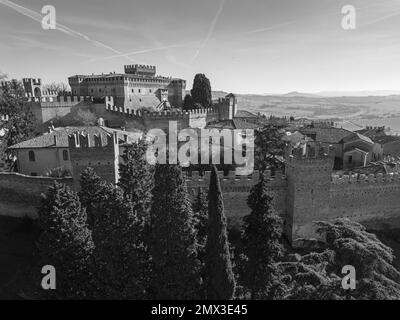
65 155
31 155
350 159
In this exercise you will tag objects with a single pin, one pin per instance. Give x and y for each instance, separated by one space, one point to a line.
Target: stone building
42 155
139 87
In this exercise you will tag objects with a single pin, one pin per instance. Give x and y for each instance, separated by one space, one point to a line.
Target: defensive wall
236 190
20 194
160 120
47 108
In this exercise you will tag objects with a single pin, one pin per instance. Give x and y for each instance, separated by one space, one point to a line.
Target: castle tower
33 87
227 107
142 70
176 92
100 152
308 173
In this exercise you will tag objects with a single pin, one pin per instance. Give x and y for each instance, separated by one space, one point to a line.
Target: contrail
210 31
394 14
146 50
38 17
269 28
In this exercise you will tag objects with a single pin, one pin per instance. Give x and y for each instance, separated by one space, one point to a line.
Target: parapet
379 178
231 178
310 152
174 114
140 69
34 81
59 99
82 140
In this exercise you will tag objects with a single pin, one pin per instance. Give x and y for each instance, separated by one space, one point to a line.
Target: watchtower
308 172
98 151
33 87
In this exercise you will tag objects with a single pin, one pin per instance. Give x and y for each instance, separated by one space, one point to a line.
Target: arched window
31 155
65 155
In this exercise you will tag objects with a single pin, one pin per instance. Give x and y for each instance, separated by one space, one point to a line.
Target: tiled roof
386 139
59 137
233 124
327 134
355 135
245 114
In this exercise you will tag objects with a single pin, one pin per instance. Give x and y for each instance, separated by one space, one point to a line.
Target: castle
139 87
135 99
307 190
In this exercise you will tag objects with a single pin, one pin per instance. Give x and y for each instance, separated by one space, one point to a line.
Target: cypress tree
136 177
173 247
188 103
201 92
200 211
261 244
66 242
91 186
220 281
120 254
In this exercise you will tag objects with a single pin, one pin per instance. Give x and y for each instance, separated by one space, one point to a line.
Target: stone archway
37 92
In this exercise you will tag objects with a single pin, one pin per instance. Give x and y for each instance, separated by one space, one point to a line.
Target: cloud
210 30
60 27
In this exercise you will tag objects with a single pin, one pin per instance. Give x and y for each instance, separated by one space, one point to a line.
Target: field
349 112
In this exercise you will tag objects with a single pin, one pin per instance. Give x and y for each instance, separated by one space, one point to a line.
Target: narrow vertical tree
200 211
262 244
173 247
220 280
66 242
201 92
121 256
188 103
136 177
90 193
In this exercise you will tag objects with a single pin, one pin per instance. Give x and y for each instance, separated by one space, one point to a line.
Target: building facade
139 87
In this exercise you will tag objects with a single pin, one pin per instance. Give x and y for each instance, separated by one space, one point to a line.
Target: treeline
146 239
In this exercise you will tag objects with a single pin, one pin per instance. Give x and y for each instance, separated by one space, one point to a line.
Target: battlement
174 114
80 140
140 70
196 177
36 82
309 153
59 99
379 178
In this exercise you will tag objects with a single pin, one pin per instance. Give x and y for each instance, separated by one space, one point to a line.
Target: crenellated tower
33 87
308 172
100 152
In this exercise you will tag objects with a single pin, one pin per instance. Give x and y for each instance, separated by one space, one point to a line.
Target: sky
252 46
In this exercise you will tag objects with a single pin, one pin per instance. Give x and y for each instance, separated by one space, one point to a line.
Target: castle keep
139 87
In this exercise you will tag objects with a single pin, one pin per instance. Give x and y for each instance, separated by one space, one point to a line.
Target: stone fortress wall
309 191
